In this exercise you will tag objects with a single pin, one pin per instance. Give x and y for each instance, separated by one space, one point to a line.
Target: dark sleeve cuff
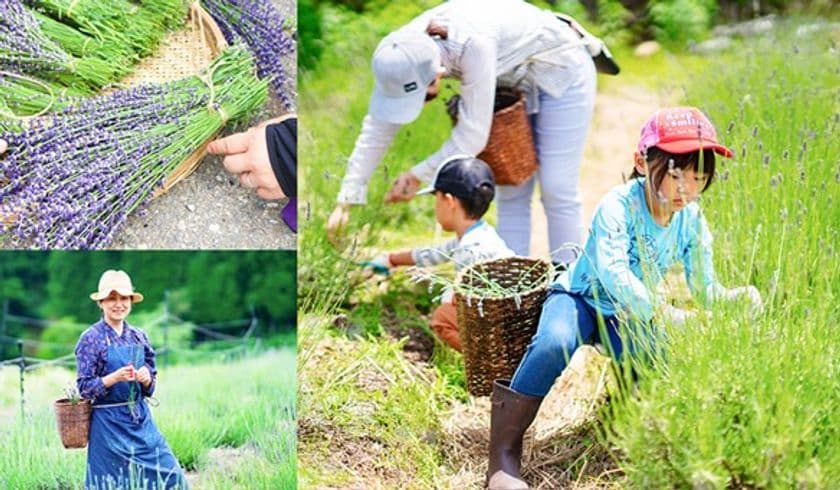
282 152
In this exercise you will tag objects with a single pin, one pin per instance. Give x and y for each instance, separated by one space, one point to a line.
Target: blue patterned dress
126 449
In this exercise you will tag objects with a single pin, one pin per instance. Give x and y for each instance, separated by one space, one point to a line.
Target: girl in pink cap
639 230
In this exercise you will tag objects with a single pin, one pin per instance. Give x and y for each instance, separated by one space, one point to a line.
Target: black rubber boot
511 414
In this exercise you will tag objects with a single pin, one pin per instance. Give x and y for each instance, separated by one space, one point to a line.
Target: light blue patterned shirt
627 254
479 243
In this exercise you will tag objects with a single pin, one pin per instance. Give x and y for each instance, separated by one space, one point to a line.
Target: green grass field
244 411
739 403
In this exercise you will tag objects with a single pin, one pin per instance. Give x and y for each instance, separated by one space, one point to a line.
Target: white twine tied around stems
208 77
212 106
13 116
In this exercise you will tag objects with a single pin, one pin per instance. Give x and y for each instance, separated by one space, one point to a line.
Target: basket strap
538 57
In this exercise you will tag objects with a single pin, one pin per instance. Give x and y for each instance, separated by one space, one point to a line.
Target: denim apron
126 450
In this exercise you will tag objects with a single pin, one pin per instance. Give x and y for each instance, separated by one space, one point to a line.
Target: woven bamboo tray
495 331
182 54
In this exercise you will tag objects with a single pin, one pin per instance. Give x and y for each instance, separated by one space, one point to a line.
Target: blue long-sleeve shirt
92 352
627 254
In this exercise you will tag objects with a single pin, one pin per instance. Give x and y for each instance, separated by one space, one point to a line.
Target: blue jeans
566 323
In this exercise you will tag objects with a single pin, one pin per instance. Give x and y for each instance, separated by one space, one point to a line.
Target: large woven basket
73 422
510 150
495 331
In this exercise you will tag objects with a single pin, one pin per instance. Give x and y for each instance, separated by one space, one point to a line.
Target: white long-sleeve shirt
489 42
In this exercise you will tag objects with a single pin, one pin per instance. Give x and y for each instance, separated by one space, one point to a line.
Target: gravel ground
209 209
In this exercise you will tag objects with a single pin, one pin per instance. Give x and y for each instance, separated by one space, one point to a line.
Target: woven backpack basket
510 151
73 422
496 330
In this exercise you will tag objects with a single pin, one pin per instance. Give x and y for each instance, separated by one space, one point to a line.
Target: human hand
751 294
125 373
337 221
3 146
676 316
246 154
404 188
144 376
381 264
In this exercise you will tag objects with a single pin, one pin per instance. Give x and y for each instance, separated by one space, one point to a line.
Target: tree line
200 286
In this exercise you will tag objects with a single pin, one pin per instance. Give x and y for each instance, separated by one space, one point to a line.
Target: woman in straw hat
116 369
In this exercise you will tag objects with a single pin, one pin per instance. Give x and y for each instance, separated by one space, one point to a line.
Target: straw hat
118 281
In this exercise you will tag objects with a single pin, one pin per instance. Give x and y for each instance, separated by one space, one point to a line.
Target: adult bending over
484 44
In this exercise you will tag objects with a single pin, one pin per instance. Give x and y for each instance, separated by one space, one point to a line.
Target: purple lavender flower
259 25
70 180
23 47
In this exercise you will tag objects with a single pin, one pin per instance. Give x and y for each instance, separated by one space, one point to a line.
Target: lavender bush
259 25
70 180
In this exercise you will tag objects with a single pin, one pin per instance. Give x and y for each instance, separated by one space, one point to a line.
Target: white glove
675 316
750 293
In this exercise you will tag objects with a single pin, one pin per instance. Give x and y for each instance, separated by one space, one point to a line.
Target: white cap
404 64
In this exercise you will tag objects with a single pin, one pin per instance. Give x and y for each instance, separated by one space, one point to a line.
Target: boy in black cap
463 189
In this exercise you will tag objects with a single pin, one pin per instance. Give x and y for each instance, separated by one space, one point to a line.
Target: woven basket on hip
496 330
73 422
510 151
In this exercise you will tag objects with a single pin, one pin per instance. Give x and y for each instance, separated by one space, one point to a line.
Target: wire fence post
251 328
22 365
165 327
3 327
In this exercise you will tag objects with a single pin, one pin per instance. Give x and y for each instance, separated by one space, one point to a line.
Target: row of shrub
673 22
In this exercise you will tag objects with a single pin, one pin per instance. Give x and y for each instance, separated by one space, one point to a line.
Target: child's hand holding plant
381 264
749 294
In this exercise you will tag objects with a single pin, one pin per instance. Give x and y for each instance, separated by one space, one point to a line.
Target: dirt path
619 113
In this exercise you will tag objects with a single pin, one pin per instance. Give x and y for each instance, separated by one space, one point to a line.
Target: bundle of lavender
23 47
22 97
259 25
99 63
70 180
134 29
26 52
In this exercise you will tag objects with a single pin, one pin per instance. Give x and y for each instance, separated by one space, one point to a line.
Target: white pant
560 129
